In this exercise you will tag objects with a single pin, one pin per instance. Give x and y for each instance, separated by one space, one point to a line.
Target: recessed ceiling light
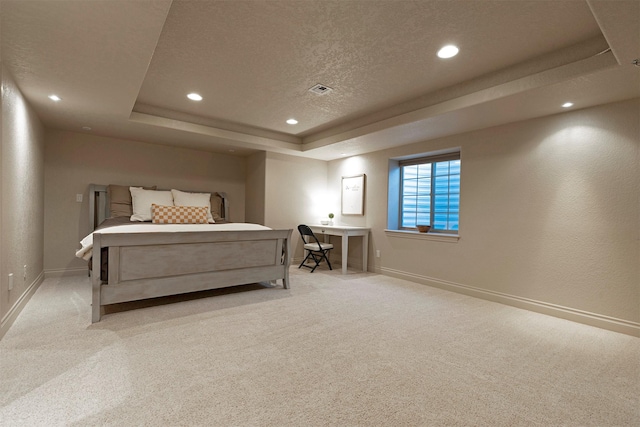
448 51
567 104
87 128
55 98
292 121
194 97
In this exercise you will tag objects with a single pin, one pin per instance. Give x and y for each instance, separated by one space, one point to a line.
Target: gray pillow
120 203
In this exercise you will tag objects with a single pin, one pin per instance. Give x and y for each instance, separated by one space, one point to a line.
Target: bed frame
149 265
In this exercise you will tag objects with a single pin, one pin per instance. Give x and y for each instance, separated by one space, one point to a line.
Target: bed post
225 206
287 260
98 205
96 282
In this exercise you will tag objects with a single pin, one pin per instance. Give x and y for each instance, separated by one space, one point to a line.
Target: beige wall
255 188
549 216
21 201
295 193
75 160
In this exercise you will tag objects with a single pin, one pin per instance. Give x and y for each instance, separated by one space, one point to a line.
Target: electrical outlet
24 277
10 281
378 253
79 198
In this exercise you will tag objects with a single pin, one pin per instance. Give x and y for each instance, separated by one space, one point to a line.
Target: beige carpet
354 350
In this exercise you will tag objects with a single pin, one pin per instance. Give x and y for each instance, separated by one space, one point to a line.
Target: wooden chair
316 250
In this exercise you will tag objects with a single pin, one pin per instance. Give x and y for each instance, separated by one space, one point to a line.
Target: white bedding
87 242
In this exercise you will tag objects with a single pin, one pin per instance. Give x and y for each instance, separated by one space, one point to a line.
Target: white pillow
142 200
182 198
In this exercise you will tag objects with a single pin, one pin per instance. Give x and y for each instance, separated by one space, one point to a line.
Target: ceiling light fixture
194 97
87 128
55 98
292 122
448 51
567 105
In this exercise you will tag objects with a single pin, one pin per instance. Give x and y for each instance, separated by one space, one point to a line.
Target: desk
345 232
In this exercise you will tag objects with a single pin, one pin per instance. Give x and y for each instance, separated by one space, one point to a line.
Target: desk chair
316 250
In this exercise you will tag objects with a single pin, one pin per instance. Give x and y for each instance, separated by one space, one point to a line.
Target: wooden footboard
148 265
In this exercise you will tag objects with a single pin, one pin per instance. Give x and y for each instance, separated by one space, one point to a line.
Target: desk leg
365 251
345 252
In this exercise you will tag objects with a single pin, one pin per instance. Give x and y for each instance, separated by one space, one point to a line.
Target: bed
129 262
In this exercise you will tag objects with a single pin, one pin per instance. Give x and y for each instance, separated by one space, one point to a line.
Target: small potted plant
330 219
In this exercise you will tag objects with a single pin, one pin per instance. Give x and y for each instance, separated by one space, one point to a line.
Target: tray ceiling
124 68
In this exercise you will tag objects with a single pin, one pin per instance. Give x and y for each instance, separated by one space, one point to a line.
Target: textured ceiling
124 68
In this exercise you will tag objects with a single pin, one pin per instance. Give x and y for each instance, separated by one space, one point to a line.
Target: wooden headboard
99 205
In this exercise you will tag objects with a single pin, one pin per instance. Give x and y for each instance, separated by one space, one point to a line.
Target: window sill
438 237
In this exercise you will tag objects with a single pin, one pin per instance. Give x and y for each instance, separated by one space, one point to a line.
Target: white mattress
87 243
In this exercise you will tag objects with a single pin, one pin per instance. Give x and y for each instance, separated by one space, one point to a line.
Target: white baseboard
568 313
14 311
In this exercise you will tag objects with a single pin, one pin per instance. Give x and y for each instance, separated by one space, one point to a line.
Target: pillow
182 198
120 200
179 214
143 199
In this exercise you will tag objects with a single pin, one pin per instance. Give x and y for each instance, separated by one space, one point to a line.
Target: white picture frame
353 195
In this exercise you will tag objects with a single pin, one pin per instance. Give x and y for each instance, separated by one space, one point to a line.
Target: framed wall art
353 195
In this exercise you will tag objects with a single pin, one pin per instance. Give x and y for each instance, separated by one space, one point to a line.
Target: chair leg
311 255
317 258
305 260
324 255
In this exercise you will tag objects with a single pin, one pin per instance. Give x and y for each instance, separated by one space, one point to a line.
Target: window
430 192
